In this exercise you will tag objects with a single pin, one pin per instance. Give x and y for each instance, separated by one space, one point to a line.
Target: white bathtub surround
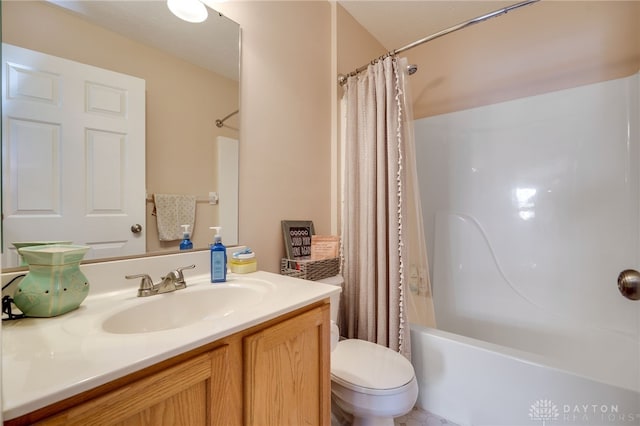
531 210
375 225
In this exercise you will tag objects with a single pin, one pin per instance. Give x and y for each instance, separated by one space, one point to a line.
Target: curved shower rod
342 79
220 122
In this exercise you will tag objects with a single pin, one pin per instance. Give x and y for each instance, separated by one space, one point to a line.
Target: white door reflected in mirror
73 160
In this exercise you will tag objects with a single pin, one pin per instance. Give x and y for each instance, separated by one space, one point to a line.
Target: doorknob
629 284
136 229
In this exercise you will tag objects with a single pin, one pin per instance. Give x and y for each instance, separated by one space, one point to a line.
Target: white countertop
47 360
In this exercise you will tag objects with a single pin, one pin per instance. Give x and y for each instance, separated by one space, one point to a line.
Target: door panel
73 154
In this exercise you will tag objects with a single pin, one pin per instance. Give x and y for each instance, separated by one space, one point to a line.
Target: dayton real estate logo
543 410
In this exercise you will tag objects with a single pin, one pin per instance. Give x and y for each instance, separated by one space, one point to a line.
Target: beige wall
551 45
355 45
543 47
286 120
183 102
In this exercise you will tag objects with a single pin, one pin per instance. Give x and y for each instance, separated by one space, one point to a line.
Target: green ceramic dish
54 284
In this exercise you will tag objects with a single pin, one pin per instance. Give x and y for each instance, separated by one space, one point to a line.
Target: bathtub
531 210
472 382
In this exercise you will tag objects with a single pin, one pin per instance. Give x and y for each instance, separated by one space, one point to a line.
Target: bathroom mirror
191 75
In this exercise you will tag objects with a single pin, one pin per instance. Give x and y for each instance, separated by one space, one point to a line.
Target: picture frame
297 238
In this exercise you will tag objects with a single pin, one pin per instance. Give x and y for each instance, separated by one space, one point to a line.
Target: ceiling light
188 10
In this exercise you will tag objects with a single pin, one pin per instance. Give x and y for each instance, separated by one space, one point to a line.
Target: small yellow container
243 262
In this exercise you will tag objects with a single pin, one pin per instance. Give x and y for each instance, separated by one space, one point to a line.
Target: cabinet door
287 377
179 395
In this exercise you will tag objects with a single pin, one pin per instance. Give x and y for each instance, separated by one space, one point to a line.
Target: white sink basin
182 308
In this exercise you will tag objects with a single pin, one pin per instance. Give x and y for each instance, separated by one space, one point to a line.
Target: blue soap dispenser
186 243
218 258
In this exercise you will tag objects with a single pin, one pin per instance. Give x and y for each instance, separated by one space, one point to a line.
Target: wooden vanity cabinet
276 373
287 372
176 396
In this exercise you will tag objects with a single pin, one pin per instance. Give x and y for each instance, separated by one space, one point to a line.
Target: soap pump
186 243
218 258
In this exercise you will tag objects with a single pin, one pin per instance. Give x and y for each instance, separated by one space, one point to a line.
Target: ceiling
212 44
396 23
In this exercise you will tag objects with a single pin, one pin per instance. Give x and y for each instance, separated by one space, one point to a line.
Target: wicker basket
312 270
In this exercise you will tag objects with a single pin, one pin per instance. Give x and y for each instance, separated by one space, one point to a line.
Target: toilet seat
366 367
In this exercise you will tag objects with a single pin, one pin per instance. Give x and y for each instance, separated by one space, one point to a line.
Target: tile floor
418 417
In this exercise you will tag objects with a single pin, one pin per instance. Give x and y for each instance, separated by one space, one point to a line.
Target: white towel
173 211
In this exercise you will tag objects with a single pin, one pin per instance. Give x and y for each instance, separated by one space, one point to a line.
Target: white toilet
370 383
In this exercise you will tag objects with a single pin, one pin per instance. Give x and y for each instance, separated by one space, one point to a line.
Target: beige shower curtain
374 206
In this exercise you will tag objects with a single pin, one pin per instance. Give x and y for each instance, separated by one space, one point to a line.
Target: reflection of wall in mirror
183 102
227 167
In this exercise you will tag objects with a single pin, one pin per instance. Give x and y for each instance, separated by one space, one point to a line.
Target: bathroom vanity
260 355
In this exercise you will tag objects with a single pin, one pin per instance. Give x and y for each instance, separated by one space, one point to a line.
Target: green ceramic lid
56 254
22 244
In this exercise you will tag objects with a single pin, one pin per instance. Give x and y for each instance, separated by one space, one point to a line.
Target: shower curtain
375 232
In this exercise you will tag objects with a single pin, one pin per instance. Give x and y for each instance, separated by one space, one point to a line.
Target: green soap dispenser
218 258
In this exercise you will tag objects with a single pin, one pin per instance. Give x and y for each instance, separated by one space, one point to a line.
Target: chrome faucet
173 281
180 282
